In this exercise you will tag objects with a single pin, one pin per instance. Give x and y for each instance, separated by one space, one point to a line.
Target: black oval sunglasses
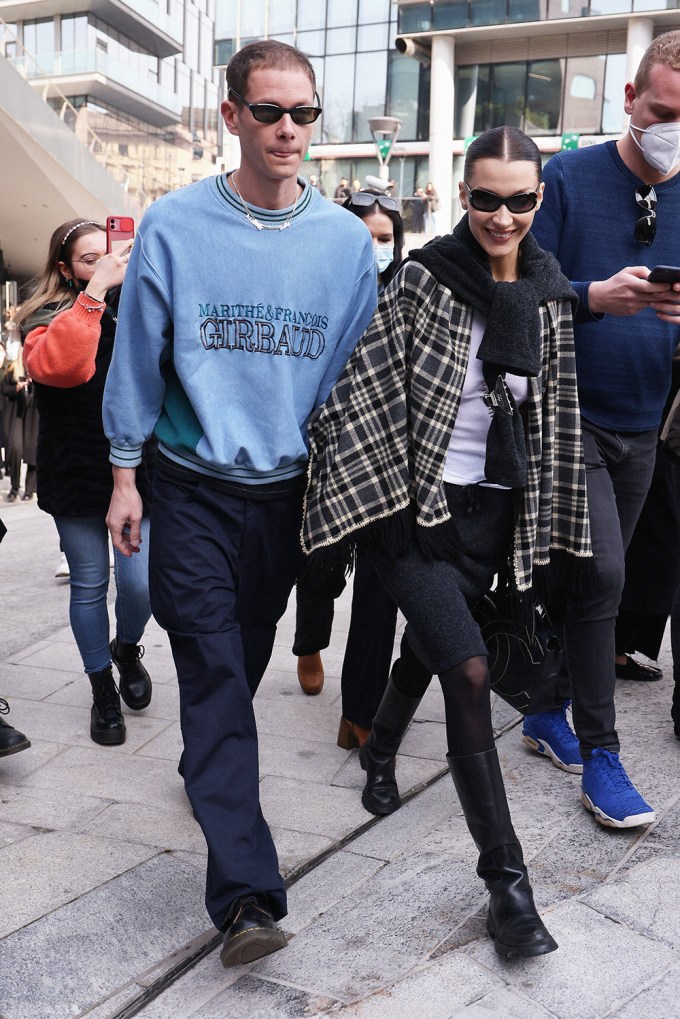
488 201
269 113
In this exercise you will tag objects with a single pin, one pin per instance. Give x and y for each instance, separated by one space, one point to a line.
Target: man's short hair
266 53
665 49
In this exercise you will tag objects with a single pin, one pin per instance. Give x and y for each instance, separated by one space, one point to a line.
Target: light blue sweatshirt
229 337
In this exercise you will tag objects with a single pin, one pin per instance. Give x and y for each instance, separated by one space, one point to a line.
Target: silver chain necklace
256 222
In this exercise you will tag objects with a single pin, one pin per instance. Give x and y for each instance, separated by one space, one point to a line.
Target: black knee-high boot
512 920
392 719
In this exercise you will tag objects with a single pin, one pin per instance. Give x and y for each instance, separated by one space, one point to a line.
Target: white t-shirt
466 455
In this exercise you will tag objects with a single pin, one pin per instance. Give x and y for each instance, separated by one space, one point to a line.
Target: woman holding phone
450 447
71 320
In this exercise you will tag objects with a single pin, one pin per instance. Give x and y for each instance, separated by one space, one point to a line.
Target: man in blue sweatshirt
608 206
244 296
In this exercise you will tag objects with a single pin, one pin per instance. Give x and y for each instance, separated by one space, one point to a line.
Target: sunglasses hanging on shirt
645 228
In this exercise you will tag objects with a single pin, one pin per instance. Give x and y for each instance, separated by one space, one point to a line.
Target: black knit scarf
512 336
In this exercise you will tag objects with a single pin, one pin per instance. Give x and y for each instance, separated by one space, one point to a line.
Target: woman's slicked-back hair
508 144
266 53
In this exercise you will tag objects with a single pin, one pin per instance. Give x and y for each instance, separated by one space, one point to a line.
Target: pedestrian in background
370 639
19 415
419 209
610 206
432 199
342 191
71 321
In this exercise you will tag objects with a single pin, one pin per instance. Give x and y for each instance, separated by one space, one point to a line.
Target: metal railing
30 68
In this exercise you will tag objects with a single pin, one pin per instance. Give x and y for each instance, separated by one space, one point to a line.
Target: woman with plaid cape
449 448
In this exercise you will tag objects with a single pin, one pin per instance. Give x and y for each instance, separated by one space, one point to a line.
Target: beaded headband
85 222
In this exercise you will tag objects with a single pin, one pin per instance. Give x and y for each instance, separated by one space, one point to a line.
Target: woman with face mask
71 319
370 641
448 451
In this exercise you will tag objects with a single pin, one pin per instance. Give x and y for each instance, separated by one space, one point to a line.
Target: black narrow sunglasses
645 228
365 198
489 201
269 113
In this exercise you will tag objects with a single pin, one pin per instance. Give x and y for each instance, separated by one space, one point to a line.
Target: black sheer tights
466 699
467 708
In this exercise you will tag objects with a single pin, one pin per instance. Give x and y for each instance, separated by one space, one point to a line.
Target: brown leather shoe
310 673
351 735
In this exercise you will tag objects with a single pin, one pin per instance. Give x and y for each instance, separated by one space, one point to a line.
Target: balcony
469 14
94 73
146 21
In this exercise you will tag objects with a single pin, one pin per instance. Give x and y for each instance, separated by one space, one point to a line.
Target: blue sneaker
607 791
550 734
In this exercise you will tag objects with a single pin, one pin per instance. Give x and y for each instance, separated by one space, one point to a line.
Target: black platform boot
135 682
11 740
377 755
512 919
107 725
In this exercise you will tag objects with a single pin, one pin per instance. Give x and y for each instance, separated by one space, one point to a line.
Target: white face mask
12 349
660 145
384 256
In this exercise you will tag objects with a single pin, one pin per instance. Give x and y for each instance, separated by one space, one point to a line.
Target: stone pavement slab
73 958
599 964
103 863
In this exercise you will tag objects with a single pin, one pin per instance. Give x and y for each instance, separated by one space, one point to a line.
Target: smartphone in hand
118 230
664 274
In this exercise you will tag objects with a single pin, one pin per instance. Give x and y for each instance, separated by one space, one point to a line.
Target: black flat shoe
252 934
637 671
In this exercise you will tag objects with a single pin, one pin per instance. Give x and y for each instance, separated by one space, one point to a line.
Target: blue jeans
85 542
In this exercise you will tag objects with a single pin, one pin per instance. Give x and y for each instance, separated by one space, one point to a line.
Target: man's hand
627 293
667 307
125 512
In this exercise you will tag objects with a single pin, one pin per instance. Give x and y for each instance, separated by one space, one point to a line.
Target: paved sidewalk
102 863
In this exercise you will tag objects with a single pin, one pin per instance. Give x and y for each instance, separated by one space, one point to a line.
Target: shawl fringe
393 537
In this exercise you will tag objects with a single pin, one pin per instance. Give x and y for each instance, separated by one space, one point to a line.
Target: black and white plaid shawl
378 445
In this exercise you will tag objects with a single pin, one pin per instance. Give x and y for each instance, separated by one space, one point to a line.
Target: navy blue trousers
221 570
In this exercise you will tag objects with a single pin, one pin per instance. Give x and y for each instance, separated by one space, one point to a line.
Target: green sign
468 142
306 158
569 141
384 147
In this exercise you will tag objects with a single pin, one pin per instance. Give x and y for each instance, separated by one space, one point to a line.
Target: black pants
618 474
221 570
370 640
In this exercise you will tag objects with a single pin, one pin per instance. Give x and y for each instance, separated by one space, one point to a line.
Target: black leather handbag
520 661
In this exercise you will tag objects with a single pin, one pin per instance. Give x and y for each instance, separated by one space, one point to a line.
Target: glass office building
139 75
449 69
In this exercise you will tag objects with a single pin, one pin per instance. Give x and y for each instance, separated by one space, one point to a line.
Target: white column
441 126
640 35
